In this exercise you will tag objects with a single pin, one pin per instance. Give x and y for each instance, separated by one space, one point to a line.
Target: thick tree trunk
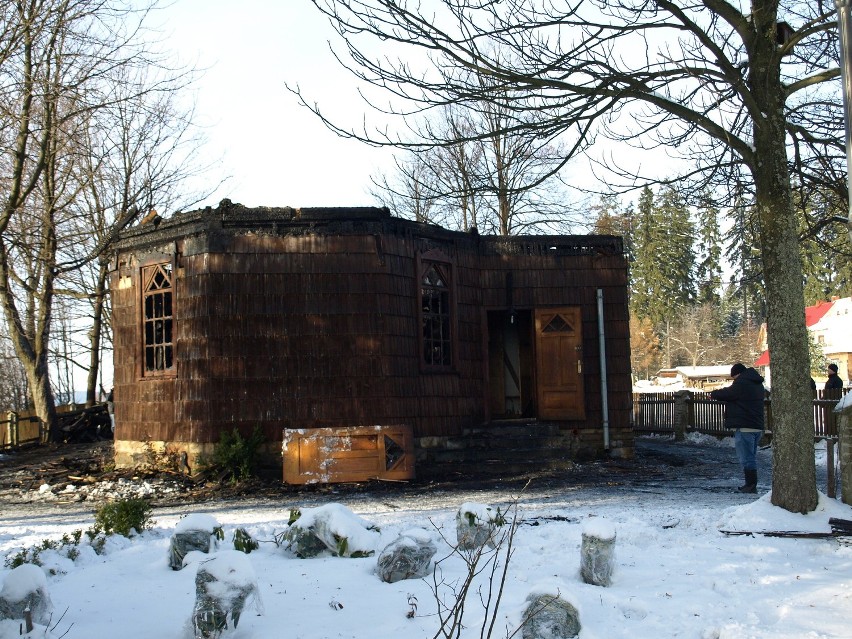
794 469
42 395
793 465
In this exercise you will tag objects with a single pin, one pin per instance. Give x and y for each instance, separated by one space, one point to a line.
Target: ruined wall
299 326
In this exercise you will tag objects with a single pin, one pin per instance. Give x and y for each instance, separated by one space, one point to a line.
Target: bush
123 515
243 541
234 456
67 546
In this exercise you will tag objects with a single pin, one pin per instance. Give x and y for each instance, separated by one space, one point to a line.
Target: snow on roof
705 371
845 401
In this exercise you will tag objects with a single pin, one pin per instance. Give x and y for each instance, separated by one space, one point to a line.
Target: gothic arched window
157 318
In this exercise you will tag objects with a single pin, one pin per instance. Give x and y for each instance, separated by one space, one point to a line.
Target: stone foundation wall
167 455
515 450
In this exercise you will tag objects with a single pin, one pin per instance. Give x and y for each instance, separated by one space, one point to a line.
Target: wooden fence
21 429
658 413
75 423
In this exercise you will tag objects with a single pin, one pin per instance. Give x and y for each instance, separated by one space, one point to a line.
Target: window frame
425 262
169 341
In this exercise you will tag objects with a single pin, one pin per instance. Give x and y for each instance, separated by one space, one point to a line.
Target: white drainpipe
604 394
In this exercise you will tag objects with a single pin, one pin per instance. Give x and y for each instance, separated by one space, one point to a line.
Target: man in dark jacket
744 413
833 380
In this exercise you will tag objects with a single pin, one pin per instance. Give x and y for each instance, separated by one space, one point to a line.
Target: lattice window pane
157 321
436 316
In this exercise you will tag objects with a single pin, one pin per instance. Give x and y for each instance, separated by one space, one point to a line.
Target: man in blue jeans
744 413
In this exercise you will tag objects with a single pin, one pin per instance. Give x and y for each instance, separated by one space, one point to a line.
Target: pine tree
708 272
824 248
743 255
674 257
642 273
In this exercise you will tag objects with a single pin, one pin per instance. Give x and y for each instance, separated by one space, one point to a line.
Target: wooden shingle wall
539 281
318 327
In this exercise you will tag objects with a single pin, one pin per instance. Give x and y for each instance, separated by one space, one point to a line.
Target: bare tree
13 379
457 169
136 155
730 87
695 336
495 180
412 190
63 61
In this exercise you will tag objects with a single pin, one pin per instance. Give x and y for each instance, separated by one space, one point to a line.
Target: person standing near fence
833 382
743 401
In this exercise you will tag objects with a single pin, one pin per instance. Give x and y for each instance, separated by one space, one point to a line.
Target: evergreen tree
826 263
674 257
662 280
643 273
740 338
817 356
743 255
709 269
730 312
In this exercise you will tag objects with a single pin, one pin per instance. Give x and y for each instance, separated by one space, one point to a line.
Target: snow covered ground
676 574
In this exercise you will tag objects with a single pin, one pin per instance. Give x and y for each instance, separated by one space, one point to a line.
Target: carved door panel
559 363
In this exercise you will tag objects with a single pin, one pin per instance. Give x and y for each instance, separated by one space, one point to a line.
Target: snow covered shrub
25 588
550 617
596 552
194 532
333 528
124 515
234 457
243 541
224 585
476 525
485 546
407 557
67 547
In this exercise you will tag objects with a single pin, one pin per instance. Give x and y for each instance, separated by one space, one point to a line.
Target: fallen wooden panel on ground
347 454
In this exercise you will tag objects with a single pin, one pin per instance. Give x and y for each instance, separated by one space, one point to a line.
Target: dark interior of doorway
510 364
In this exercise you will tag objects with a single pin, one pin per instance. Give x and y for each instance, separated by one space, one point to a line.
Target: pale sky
277 152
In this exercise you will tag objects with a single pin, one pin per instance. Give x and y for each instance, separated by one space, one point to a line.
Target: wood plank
347 454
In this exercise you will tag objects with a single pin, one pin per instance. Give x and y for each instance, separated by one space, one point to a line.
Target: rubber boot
750 485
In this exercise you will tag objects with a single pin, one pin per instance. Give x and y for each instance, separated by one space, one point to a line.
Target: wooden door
559 363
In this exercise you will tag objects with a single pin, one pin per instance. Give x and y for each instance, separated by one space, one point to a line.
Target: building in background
830 324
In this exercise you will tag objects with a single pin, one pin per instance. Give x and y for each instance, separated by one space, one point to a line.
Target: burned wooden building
350 321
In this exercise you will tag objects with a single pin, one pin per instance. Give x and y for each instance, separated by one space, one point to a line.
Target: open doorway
511 364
